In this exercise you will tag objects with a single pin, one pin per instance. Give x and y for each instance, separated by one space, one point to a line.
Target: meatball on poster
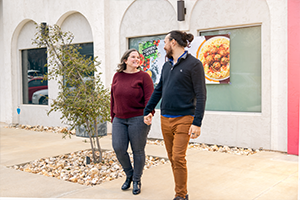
214 53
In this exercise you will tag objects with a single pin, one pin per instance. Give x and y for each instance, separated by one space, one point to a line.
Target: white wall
278 71
2 100
110 23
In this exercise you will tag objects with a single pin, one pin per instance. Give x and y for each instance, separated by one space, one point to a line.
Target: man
183 93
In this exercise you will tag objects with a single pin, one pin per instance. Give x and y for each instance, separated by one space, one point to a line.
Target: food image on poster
214 53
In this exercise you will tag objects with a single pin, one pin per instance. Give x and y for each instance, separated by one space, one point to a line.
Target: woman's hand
148 119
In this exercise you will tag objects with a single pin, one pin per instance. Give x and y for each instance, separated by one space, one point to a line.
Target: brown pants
175 133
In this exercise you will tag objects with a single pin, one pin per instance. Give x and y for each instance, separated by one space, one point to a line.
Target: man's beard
169 53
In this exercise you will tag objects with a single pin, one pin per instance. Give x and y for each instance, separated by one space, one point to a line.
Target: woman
130 92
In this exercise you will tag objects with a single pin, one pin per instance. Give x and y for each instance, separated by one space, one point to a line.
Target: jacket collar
183 56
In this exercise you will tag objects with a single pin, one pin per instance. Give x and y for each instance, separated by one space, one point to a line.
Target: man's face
168 47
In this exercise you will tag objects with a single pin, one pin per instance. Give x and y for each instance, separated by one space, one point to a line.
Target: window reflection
35 89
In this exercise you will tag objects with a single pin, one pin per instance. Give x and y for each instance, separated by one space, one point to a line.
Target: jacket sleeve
198 79
155 97
148 90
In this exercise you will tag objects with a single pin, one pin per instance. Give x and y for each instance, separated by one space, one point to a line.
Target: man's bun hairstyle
182 38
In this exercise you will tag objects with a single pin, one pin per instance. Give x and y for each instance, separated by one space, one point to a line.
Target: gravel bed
73 167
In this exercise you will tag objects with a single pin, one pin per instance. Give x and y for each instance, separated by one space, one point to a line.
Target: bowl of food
214 54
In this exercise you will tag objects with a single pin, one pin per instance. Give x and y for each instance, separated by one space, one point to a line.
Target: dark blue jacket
182 89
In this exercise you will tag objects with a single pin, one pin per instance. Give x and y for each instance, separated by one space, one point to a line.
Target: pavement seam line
70 192
264 192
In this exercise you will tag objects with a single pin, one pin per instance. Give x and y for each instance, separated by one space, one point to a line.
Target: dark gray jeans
135 131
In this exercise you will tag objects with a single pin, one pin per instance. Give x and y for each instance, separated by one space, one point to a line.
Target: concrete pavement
212 175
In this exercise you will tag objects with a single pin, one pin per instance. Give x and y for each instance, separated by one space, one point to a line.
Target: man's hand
194 131
148 119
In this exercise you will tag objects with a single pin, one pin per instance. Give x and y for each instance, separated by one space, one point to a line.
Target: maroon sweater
130 94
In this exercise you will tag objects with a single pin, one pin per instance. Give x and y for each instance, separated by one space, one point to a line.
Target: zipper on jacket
174 66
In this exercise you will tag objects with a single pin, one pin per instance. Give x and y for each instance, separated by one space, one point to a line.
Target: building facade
259 109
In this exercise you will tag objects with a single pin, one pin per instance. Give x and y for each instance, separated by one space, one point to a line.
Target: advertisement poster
152 55
214 53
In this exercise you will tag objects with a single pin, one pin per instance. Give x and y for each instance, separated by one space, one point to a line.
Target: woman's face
133 60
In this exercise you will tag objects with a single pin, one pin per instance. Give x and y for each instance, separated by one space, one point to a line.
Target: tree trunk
91 140
97 140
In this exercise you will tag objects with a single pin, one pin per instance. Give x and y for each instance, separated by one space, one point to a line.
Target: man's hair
182 38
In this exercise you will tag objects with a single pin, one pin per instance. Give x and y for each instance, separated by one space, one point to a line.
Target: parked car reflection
33 73
40 97
36 84
38 89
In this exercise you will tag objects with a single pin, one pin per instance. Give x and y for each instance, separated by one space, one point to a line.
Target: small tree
82 98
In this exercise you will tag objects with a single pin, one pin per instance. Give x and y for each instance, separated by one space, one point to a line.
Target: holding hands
148 119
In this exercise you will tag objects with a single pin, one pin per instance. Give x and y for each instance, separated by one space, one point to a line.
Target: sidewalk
212 175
